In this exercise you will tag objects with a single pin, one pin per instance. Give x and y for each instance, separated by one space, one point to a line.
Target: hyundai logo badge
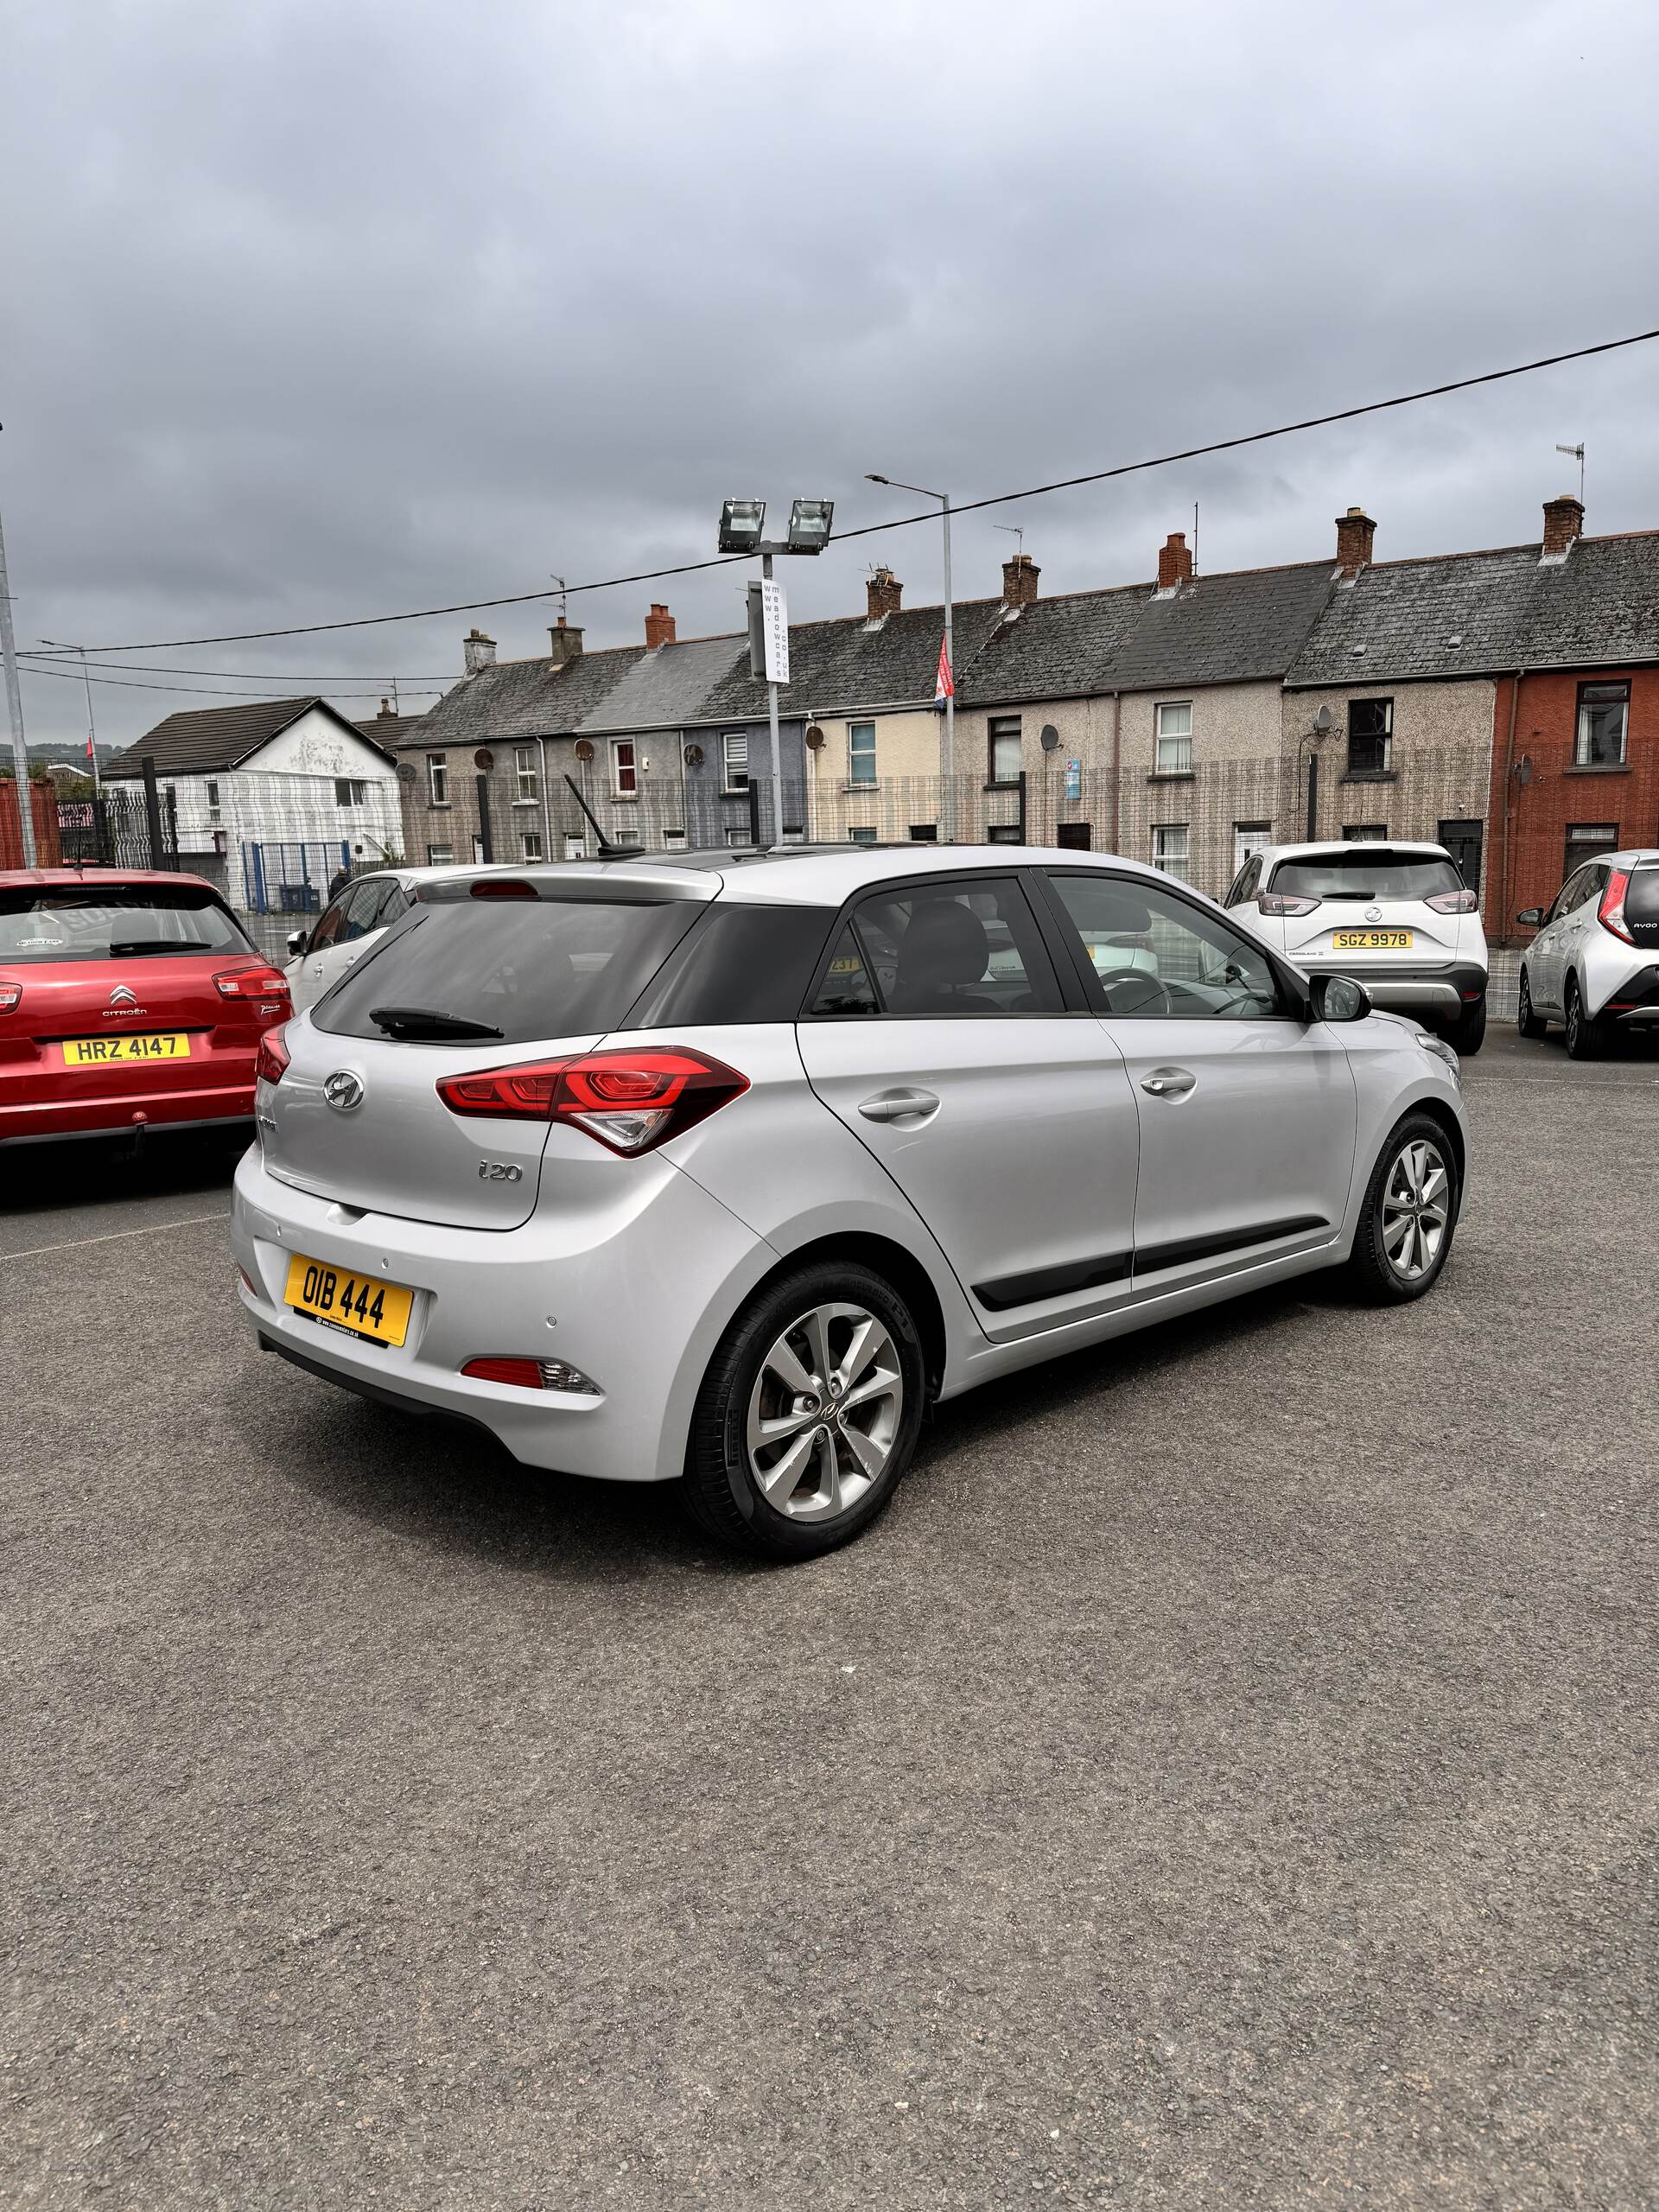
343 1090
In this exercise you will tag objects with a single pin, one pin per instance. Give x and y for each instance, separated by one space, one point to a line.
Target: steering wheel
1138 988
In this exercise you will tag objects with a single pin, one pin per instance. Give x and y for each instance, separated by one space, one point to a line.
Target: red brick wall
47 848
1529 846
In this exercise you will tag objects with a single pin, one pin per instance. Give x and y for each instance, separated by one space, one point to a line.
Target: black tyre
808 1415
1409 1215
1468 1033
1586 1037
1528 1023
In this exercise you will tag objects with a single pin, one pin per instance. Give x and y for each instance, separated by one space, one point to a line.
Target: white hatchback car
1594 963
720 1169
1392 912
350 924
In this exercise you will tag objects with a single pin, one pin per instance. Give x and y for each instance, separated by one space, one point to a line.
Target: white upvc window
212 799
351 791
624 769
1003 763
1174 746
1249 838
735 761
861 752
1170 848
530 784
529 844
437 779
862 836
439 856
576 847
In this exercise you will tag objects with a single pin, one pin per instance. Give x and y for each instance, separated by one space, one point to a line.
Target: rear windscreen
1642 896
111 921
1365 871
533 969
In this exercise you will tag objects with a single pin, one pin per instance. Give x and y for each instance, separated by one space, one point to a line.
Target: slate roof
1598 608
1222 629
851 662
198 740
523 698
666 686
1053 649
384 731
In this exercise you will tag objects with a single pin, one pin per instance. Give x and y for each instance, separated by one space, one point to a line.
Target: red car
129 1001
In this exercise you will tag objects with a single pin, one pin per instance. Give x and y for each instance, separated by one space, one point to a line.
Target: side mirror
297 941
1530 918
1339 998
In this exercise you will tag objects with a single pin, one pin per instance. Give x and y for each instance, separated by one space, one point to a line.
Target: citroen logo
1373 913
343 1090
123 994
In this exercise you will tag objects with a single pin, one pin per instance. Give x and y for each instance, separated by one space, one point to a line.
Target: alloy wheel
1416 1210
825 1412
1574 1017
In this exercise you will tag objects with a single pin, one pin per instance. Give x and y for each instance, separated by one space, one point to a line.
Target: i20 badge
499 1171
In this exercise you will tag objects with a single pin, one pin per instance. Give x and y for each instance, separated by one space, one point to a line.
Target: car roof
810 875
16 878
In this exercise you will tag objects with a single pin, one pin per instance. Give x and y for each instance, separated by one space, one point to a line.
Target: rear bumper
1428 994
637 1301
52 1120
1635 1002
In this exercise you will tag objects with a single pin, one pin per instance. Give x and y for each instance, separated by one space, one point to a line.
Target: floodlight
740 525
808 525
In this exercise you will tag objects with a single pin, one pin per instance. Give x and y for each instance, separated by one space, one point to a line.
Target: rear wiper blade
427 1021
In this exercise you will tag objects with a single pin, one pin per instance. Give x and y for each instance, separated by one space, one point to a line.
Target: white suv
720 1170
1394 914
1594 963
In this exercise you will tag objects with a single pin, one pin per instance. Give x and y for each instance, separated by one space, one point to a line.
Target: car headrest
944 948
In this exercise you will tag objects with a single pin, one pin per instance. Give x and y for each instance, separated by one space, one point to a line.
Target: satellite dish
814 738
1324 720
584 748
406 771
1050 738
693 756
484 759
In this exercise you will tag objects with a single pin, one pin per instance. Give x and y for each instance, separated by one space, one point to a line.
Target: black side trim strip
1051 1282
1150 1258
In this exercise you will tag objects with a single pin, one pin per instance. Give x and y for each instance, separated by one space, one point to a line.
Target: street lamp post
92 731
740 525
15 709
948 753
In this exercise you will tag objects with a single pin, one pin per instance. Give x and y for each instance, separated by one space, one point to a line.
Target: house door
1072 836
1463 841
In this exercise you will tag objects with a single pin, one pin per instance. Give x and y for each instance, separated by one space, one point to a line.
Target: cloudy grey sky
313 310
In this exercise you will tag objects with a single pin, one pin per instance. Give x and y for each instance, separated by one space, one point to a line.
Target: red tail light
251 983
270 1061
1611 913
1279 903
9 995
630 1101
497 886
1452 902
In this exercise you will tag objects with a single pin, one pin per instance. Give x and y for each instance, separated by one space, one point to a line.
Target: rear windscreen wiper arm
424 1020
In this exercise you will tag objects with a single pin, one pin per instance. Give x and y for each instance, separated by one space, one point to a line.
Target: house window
924 833
738 837
1249 838
530 784
673 836
439 856
351 791
575 849
861 752
437 779
530 845
1604 717
735 761
1172 750
1004 749
212 799
1169 849
1365 833
625 773
1370 736
862 836
1002 833
794 833
1585 840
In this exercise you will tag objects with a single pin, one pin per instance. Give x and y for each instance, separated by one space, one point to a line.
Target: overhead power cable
906 522
46 662
215 690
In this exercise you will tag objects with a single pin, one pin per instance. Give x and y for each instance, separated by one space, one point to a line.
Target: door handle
1169 1082
898 1106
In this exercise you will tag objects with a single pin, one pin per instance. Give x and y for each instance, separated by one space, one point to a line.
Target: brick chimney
1355 531
659 624
883 592
388 712
564 644
1019 575
1174 562
479 651
1563 522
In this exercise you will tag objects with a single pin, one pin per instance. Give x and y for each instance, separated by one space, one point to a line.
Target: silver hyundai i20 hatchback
720 1169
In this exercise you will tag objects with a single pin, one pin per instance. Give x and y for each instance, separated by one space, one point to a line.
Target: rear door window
1366 870
950 947
96 920
525 969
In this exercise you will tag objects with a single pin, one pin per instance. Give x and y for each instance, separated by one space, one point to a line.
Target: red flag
89 745
944 684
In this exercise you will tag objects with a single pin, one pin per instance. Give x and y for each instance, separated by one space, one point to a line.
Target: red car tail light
1611 913
270 1061
534 1375
631 1101
10 994
1279 903
251 983
1452 902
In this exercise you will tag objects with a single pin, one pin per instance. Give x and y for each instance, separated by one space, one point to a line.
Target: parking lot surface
1226 1777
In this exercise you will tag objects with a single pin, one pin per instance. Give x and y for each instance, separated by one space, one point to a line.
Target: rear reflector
251 983
270 1061
533 1375
631 1101
512 887
9 995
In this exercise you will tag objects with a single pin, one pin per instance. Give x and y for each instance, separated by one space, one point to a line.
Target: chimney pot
564 642
477 650
884 594
1563 522
1174 562
1019 575
659 624
1355 531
